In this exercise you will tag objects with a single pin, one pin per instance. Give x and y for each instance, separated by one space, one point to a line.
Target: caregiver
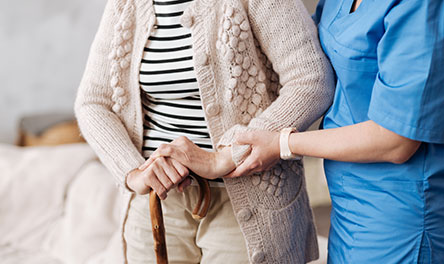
383 137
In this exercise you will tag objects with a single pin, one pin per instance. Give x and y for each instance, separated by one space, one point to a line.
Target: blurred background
44 47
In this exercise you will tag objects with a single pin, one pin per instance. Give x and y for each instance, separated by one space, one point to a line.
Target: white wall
43 50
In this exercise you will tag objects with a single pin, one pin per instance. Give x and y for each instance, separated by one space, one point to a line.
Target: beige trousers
215 239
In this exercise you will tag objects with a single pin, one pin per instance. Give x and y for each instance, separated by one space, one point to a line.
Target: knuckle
168 185
183 172
160 160
175 181
165 148
254 165
161 191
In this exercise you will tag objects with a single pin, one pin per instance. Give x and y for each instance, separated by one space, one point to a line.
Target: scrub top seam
422 138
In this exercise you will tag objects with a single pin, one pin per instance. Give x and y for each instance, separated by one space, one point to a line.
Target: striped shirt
170 94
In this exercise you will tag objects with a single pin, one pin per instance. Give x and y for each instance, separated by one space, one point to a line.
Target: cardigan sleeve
288 37
100 126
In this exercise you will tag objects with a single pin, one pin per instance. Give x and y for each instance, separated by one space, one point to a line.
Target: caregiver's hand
210 165
264 152
161 176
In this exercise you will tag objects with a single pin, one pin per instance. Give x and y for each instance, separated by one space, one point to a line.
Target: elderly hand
161 176
265 152
210 165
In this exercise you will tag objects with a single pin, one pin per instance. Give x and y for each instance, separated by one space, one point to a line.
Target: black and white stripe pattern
170 93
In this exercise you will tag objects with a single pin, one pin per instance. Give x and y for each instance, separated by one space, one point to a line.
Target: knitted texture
259 65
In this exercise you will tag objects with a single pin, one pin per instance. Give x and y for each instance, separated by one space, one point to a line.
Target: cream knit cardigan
259 65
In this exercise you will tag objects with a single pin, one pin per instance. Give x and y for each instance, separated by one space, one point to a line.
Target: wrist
224 163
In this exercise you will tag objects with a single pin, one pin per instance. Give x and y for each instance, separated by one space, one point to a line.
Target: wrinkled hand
210 165
161 175
265 152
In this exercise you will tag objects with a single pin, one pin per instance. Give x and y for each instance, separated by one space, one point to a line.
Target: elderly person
196 73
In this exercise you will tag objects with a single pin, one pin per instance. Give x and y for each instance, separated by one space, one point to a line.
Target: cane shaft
158 229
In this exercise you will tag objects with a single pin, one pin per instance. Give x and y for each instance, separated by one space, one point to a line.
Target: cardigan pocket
279 187
297 243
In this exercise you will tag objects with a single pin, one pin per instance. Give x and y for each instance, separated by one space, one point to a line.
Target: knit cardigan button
244 214
213 109
258 256
124 64
201 59
116 108
126 24
229 95
187 21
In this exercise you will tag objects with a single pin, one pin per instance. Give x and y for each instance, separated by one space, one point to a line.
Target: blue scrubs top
389 62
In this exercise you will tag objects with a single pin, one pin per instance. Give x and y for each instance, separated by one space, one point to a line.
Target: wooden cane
199 212
158 229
